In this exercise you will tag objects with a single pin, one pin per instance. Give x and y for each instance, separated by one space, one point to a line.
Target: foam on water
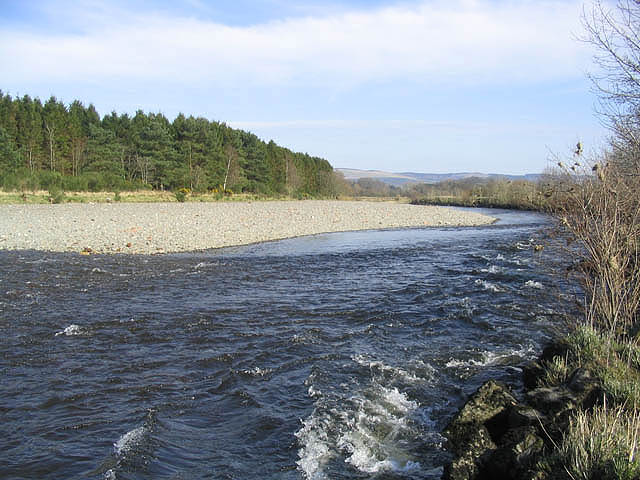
393 372
313 392
533 284
488 358
526 245
369 428
201 265
315 451
492 269
492 287
374 432
257 371
130 440
71 330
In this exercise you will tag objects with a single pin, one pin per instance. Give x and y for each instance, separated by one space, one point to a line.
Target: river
337 356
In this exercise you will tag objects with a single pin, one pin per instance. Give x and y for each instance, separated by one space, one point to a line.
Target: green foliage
556 371
56 195
181 194
611 361
9 157
72 147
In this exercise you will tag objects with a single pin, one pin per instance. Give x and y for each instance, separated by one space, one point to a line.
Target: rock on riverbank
496 436
179 227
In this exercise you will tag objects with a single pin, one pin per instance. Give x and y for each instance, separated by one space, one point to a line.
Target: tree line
467 192
52 145
479 192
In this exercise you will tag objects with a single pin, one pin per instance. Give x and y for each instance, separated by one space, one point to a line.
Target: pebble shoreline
148 228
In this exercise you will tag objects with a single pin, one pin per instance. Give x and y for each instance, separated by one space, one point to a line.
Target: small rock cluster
496 436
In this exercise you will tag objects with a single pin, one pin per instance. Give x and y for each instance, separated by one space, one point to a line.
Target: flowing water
338 356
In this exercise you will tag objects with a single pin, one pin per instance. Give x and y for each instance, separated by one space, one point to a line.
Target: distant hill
403 178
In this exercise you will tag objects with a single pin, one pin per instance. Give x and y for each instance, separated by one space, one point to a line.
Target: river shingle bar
146 228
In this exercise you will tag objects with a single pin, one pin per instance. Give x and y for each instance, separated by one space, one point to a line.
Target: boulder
532 372
471 455
488 402
495 437
474 432
517 455
551 400
522 415
586 387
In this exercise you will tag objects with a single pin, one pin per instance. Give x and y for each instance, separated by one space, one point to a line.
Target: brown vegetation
476 192
597 204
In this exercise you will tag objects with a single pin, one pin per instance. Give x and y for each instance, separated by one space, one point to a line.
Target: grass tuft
556 371
600 444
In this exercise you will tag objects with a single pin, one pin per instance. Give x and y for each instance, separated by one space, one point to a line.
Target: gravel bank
180 227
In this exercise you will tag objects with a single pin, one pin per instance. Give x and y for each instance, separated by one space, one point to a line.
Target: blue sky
494 86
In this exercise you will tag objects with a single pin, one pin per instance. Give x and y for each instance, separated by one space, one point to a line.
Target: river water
337 356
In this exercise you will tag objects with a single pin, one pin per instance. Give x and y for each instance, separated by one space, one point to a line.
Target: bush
56 195
50 180
600 208
75 184
181 194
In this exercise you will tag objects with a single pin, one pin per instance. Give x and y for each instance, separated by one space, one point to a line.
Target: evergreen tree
73 147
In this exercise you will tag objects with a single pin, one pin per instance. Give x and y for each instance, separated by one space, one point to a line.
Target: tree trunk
226 175
51 132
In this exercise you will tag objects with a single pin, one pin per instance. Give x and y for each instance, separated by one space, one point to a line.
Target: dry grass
149 196
601 444
43 196
142 196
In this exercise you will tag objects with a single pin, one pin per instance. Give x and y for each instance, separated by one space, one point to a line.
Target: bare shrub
600 207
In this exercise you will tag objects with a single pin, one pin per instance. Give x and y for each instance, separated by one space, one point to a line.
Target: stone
586 387
551 400
523 416
519 453
491 399
473 433
469 462
554 349
532 372
581 380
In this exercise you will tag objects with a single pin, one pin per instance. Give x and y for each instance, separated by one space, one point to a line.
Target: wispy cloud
362 124
457 42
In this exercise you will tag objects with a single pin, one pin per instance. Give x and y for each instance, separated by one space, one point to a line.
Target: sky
434 86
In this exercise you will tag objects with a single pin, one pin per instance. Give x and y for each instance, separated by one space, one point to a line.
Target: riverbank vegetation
55 147
599 213
597 204
477 192
501 192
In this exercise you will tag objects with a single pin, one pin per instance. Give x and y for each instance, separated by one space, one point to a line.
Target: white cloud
458 42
